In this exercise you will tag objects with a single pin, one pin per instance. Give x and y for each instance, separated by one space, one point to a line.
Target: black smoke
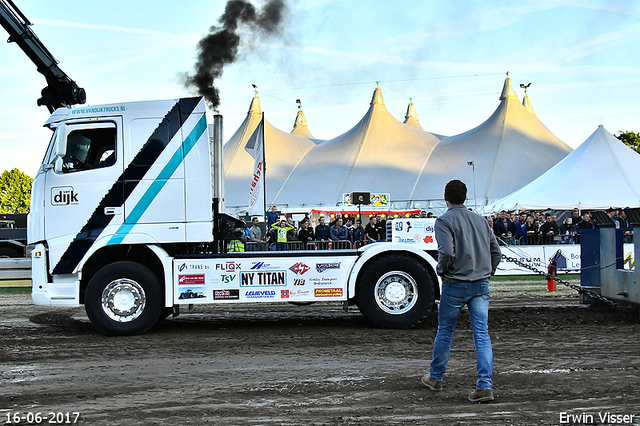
220 46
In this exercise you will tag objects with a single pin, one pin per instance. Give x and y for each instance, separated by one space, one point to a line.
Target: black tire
395 291
124 299
9 252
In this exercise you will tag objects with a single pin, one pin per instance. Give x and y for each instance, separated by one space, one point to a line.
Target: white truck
124 220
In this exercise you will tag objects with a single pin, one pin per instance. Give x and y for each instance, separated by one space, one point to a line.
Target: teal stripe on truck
156 186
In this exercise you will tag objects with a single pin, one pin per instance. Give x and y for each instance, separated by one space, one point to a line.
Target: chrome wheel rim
396 292
123 300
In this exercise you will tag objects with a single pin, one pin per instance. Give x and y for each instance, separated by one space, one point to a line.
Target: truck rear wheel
395 291
123 299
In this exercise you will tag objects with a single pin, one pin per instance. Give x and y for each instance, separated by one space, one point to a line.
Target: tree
631 139
15 192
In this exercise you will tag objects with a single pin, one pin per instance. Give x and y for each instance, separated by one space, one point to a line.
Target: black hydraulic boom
60 91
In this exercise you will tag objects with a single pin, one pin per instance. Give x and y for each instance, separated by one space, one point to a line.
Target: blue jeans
454 296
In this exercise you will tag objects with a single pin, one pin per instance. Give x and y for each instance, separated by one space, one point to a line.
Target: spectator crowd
537 228
511 228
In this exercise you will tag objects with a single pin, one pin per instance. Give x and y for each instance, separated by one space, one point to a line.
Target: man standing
521 229
468 255
371 231
585 223
549 229
338 232
503 227
358 234
272 216
322 230
305 234
255 235
381 227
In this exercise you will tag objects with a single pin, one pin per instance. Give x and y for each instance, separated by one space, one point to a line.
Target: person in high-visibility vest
236 237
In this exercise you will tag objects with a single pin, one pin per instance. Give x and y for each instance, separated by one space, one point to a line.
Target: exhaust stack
218 189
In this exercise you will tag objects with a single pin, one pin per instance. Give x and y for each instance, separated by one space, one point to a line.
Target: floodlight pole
473 171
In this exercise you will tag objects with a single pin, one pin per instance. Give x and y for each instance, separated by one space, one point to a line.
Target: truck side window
90 148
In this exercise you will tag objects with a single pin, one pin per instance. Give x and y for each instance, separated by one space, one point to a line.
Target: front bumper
64 290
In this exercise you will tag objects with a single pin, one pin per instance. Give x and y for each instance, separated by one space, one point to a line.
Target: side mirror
61 141
57 165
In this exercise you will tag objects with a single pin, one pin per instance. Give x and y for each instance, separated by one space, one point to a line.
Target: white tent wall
379 155
510 149
601 173
283 152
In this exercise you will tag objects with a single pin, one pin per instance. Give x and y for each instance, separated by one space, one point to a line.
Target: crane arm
60 91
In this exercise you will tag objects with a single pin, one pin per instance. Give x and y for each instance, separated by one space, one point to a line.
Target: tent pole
264 174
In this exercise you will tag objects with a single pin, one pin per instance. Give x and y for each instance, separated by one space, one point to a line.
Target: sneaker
434 385
481 395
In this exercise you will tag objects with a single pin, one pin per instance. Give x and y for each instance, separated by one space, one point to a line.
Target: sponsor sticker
260 294
321 267
270 278
284 294
227 279
63 196
299 268
327 292
230 266
262 265
323 280
189 293
231 294
296 293
191 279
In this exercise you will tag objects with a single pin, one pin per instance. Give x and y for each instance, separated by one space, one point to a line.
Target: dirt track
317 365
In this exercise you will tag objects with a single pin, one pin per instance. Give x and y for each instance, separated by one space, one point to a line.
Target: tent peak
411 119
527 104
411 112
377 97
300 120
254 108
300 126
507 90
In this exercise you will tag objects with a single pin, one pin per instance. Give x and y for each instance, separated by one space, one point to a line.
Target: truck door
83 189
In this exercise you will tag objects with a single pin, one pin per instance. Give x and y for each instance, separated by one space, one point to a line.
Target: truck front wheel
395 291
123 299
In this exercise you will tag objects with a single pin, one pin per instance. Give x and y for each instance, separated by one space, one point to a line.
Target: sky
449 56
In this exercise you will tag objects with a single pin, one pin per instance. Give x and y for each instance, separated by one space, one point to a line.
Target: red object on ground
551 284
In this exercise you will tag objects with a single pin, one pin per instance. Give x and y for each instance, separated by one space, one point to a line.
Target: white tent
601 173
378 155
510 149
283 152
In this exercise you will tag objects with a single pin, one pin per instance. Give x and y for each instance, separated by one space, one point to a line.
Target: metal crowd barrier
300 245
533 240
329 245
